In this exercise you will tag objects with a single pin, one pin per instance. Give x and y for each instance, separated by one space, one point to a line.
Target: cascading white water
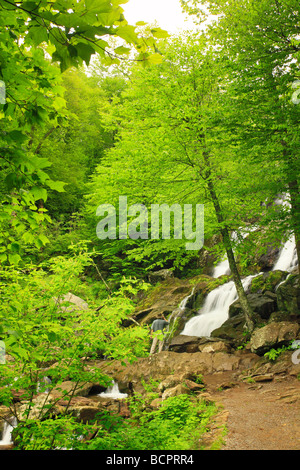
41 385
221 269
184 302
113 392
287 259
215 309
216 306
7 432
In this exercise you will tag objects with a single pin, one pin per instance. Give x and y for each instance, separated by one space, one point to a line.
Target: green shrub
177 425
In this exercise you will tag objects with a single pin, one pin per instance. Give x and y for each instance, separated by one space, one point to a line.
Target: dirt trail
261 416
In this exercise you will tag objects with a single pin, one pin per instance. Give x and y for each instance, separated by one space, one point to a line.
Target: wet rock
169 382
261 304
288 295
40 405
164 298
193 386
268 259
187 380
82 389
232 330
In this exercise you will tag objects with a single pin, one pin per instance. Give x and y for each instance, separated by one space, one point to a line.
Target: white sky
167 13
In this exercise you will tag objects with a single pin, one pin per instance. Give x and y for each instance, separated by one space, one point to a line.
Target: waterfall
222 268
180 310
7 432
41 385
287 259
215 309
113 392
216 306
184 302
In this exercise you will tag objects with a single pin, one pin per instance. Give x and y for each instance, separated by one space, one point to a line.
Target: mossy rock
267 282
204 285
288 295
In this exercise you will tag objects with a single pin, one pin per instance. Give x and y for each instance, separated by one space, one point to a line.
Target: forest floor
259 416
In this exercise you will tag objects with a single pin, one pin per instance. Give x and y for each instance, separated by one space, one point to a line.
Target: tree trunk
228 247
237 281
292 162
295 213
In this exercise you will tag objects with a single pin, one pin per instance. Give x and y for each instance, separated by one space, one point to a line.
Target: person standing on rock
156 333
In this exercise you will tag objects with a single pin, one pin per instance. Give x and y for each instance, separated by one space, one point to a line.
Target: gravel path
261 416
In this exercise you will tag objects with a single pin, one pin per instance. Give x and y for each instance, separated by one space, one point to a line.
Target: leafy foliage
40 329
177 425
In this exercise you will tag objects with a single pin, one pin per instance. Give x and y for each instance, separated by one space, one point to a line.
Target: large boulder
288 295
193 344
233 330
70 303
273 335
261 304
179 389
268 258
184 343
164 298
159 276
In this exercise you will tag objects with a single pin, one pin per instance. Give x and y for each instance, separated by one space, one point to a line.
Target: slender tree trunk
229 251
237 280
295 212
292 162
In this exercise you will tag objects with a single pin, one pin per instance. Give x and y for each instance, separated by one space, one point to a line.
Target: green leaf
58 104
39 162
155 59
14 258
38 34
28 237
85 51
18 136
3 257
44 239
160 33
122 50
39 193
98 5
128 33
56 185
